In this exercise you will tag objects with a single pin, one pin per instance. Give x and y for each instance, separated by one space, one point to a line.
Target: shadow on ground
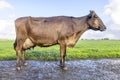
100 69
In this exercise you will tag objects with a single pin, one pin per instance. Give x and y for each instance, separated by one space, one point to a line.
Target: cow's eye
95 16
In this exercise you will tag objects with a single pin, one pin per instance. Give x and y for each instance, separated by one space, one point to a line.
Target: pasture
84 49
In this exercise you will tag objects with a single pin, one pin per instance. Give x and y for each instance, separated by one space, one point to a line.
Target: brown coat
48 31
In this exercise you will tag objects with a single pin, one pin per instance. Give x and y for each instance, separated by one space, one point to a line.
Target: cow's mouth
102 28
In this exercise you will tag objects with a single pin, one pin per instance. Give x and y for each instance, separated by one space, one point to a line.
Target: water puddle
100 69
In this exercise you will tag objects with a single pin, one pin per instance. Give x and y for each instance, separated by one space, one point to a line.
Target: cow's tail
15 44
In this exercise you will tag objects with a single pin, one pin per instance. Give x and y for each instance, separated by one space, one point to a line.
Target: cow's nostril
105 28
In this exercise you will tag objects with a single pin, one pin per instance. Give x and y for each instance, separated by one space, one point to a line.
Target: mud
100 69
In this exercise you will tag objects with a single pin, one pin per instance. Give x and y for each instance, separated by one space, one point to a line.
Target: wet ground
100 69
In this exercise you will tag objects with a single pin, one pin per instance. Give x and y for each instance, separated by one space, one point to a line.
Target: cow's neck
81 27
81 24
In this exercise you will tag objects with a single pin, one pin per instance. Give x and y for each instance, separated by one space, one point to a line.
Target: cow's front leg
23 58
62 55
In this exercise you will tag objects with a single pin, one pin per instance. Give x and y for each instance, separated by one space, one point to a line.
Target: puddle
100 69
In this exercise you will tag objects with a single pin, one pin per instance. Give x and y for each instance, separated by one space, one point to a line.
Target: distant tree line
97 39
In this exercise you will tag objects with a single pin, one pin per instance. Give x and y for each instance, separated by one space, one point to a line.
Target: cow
47 31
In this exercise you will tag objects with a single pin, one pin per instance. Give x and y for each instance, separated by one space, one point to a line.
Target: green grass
84 49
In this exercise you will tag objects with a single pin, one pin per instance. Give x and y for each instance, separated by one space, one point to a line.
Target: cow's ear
92 14
91 11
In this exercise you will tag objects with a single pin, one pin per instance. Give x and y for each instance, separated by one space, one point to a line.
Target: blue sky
12 9
56 7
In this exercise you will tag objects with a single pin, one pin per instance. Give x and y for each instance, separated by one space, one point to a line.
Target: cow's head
95 22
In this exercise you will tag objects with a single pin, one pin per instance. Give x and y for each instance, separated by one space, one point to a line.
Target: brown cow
48 31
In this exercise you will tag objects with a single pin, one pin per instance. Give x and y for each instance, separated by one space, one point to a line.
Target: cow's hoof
25 64
64 68
18 68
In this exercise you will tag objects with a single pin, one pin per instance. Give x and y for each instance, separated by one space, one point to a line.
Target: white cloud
113 11
4 5
7 21
110 36
7 29
93 35
3 23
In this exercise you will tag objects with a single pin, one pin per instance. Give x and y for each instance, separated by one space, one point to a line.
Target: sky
107 10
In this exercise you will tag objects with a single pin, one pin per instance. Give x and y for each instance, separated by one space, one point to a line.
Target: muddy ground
100 69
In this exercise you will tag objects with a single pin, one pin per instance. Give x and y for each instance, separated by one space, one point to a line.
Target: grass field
84 49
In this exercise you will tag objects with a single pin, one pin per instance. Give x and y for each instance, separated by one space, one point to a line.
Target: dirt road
100 69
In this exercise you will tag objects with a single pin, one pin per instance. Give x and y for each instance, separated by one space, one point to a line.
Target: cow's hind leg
23 58
18 50
62 55
18 53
